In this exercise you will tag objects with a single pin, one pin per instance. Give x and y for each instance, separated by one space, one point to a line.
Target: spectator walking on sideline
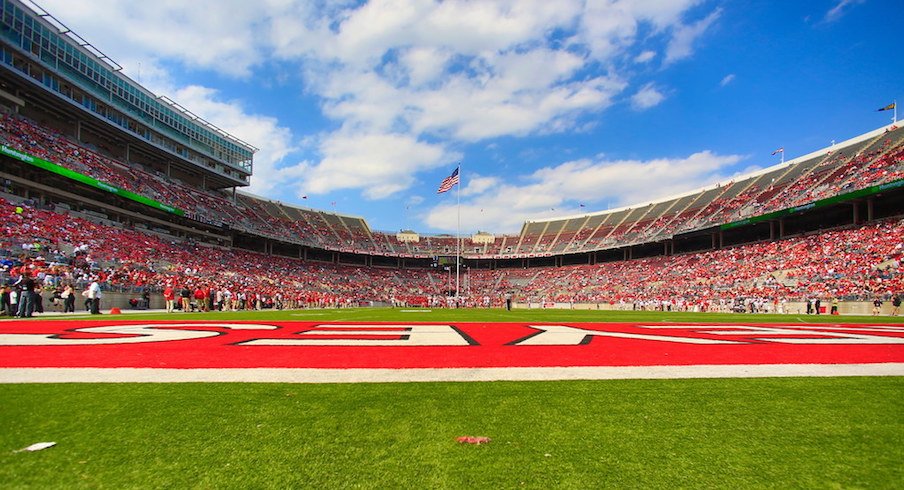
94 295
200 298
169 295
877 306
185 295
896 304
14 294
27 296
68 296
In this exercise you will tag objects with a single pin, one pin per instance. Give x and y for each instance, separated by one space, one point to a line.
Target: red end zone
223 345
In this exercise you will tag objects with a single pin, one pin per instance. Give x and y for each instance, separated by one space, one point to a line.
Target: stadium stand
149 198
850 264
786 187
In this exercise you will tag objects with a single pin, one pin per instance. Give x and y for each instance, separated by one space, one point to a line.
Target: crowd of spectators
59 250
874 162
852 264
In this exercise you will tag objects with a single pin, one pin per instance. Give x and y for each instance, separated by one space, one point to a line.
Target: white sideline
309 375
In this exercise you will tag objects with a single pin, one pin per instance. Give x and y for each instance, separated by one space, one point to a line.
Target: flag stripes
448 183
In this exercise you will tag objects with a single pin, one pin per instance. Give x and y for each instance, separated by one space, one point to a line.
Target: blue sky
364 107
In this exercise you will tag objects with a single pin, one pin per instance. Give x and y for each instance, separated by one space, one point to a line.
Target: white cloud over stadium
493 204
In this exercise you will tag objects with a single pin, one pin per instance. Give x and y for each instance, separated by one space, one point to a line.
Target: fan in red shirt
169 295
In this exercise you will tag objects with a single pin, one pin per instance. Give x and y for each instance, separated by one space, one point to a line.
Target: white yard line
268 375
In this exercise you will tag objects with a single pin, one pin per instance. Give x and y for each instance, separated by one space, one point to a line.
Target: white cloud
478 184
405 67
607 28
728 79
682 44
401 80
645 57
381 164
424 65
559 191
648 96
662 14
469 111
218 35
840 9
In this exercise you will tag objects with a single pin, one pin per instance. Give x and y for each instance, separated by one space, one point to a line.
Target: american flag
780 150
448 183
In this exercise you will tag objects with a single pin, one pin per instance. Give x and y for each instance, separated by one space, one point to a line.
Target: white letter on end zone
373 335
562 335
135 334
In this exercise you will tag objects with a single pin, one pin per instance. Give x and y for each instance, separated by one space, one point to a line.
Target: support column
855 208
869 209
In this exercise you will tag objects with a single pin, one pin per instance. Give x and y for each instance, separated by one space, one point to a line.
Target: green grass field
716 433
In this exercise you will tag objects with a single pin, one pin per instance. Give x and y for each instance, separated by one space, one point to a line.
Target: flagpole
458 235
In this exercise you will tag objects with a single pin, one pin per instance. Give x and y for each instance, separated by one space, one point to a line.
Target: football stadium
165 328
